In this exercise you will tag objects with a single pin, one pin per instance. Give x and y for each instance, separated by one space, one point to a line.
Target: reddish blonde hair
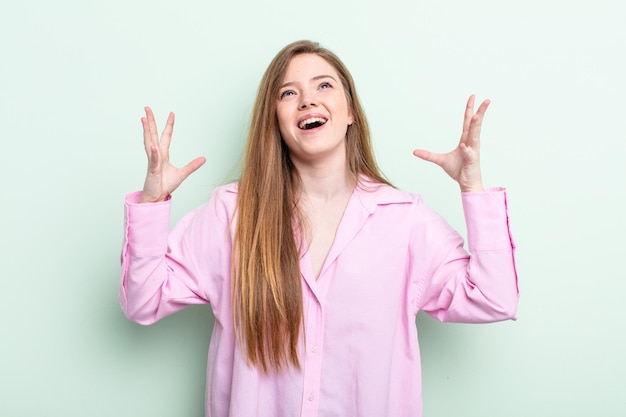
266 285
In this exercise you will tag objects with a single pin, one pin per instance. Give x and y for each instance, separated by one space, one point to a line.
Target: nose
306 101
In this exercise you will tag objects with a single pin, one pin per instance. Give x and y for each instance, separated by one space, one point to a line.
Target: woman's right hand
162 177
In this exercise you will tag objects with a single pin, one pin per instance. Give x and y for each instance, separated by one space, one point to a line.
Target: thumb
191 167
435 158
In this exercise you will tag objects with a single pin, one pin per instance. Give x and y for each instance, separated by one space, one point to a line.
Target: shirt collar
370 193
373 194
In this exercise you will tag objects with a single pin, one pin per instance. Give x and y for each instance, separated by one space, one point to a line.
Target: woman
315 267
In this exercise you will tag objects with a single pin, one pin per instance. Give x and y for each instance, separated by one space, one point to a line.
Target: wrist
147 199
472 188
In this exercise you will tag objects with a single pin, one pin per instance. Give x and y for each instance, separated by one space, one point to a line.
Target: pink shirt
392 257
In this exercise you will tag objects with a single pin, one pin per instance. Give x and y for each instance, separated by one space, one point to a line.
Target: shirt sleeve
476 287
164 272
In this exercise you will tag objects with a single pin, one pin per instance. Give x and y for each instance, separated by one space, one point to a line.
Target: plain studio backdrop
76 74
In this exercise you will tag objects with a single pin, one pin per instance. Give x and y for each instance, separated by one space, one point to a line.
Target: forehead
305 67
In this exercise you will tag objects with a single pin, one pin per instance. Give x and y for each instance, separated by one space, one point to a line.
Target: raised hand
162 177
463 163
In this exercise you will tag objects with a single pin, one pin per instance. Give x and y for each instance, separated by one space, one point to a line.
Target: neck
325 183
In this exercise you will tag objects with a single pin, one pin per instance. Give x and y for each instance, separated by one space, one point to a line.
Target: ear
350 118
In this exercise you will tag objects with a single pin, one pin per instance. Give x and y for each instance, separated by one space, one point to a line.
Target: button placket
313 361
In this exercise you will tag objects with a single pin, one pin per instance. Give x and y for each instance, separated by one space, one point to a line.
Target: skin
323 179
162 177
462 164
311 88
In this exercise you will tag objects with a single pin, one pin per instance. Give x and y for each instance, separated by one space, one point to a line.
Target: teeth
313 120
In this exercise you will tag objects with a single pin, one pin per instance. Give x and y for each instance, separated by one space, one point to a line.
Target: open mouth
312 123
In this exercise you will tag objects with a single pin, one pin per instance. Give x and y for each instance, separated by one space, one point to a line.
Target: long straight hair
266 285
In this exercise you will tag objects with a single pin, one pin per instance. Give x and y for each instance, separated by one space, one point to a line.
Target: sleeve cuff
487 220
147 225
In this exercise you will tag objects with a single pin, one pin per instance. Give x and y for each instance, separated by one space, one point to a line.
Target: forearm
158 277
479 286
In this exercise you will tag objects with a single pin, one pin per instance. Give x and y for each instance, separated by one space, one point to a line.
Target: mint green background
75 75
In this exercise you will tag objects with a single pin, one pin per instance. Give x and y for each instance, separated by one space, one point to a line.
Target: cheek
346 108
282 120
285 130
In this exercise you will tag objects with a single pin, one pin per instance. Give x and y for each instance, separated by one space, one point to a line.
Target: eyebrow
317 77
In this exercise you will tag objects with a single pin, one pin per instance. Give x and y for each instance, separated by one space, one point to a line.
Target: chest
323 224
364 275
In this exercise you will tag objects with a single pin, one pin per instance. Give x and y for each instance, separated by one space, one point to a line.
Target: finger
151 148
147 137
470 154
473 136
483 107
154 136
191 167
467 117
153 159
166 136
435 158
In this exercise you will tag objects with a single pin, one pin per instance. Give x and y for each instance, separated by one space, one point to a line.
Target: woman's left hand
463 163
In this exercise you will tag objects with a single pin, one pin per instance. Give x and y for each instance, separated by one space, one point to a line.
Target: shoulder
220 206
226 191
396 206
378 194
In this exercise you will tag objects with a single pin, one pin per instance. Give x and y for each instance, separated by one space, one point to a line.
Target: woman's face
312 111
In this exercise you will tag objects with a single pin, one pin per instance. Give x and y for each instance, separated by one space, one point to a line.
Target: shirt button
310 397
314 349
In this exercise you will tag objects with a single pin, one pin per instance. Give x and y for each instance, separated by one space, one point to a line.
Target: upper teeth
305 122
